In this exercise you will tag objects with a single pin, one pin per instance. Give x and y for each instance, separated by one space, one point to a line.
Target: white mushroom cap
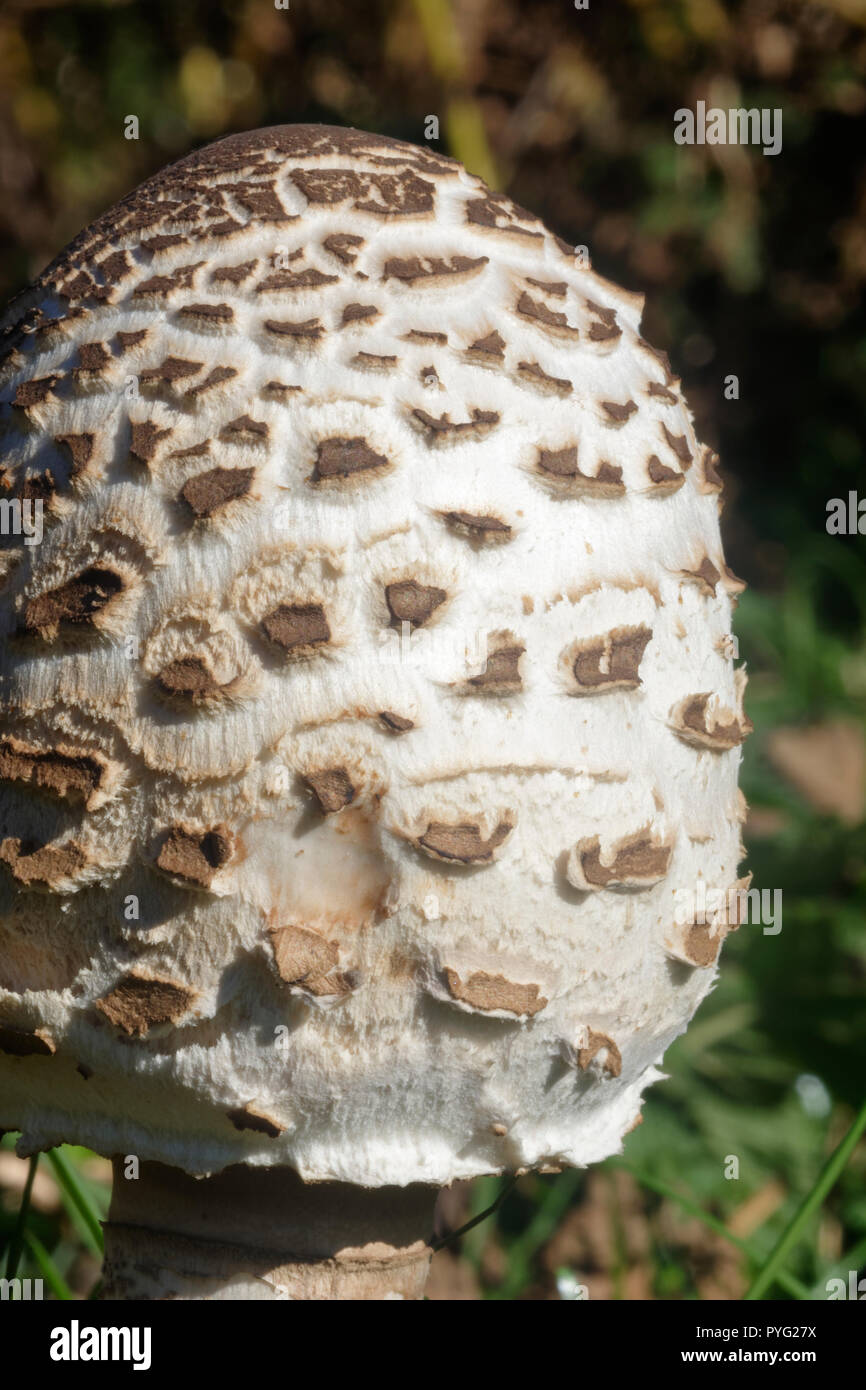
367 700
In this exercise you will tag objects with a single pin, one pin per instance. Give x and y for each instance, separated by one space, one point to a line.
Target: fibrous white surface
368 701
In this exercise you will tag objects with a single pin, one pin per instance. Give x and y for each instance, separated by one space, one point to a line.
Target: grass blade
71 1187
48 1268
16 1244
832 1169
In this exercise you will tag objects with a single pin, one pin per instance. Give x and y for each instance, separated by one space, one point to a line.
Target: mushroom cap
367 702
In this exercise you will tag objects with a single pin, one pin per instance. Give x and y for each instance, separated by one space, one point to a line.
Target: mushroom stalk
263 1233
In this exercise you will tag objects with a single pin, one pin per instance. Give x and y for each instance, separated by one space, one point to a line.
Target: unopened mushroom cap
368 706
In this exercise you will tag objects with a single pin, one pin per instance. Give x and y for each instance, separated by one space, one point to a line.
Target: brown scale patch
610 662
491 347
665 480
501 674
308 279
374 361
171 370
604 332
195 856
415 270
332 788
38 486
711 478
359 313
262 202
46 865
413 603
561 466
495 212
297 628
401 193
558 288
152 246
132 339
26 1042
344 246
596 1043
638 861
718 731
444 429
420 335
618 411
477 527
209 315
80 448
395 723
279 389
207 492
214 378
162 286
35 392
543 316
248 1117
463 843
680 446
194 450
93 357
300 953
706 576
235 274
79 600
701 945
244 430
536 374
661 393
341 457
140 1002
283 328
494 992
188 678
70 773
145 438
115 268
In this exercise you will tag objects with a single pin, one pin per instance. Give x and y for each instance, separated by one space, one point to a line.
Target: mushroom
367 711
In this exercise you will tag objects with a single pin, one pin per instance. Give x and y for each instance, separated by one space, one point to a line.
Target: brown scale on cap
680 446
207 492
195 856
145 439
386 195
359 313
542 317
79 448
300 953
77 602
476 527
93 357
444 430
496 213
214 378
665 480
600 1042
661 393
343 245
235 274
171 370
560 466
189 678
420 335
372 361
463 843
700 944
44 865
617 412
36 392
490 993
490 348
341 458
719 731
25 1042
163 286
706 576
558 288
638 861
73 774
538 377
310 329
132 339
244 430
297 628
413 603
332 788
206 315
710 479
140 1002
610 662
307 279
428 270
395 723
501 674
248 1117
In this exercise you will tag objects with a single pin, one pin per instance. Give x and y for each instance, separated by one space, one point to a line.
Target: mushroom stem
262 1233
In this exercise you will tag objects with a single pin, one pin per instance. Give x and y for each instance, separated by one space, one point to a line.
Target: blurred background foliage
753 266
